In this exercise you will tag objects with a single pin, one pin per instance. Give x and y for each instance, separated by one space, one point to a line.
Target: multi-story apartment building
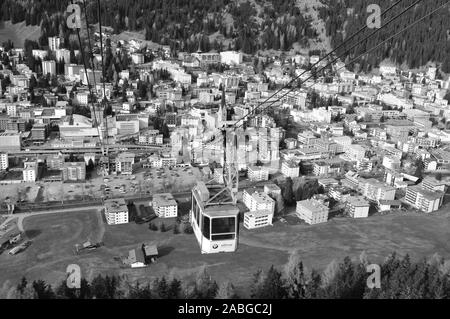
257 201
357 207
432 184
364 165
152 137
272 190
74 171
124 163
55 162
269 144
312 211
30 172
428 196
356 152
258 219
290 169
391 162
63 55
161 161
4 161
10 142
83 98
424 199
16 125
322 168
339 192
375 190
307 138
257 173
54 43
116 211
137 58
49 67
165 205
39 133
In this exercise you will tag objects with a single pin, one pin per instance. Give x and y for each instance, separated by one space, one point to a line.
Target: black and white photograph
225 154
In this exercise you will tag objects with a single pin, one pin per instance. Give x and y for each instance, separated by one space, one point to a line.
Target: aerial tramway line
101 120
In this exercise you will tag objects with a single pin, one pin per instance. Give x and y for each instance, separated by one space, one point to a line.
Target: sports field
54 237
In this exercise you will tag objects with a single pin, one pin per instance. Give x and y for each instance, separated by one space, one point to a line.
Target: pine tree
273 286
205 286
174 290
295 278
226 291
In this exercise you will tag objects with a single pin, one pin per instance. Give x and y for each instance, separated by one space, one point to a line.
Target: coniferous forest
185 25
401 278
189 25
428 41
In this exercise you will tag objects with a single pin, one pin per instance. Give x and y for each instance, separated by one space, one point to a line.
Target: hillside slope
18 32
256 26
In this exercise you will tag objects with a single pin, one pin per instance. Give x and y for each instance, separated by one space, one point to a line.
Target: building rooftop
430 195
115 205
358 201
313 206
165 199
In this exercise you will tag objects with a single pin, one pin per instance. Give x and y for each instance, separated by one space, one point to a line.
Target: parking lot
144 182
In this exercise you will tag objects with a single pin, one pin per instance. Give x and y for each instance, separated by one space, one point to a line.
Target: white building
258 219
231 57
4 161
258 201
116 211
152 137
30 172
138 58
49 67
387 69
290 169
54 43
357 207
375 190
391 162
427 196
355 152
83 98
63 54
423 199
312 211
165 205
11 110
364 165
41 54
257 173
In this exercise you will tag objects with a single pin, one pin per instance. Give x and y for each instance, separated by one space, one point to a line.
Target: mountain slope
256 25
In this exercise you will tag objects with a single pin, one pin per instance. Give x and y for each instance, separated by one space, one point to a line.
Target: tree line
401 278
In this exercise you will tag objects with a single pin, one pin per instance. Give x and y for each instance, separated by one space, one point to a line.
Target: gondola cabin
215 225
